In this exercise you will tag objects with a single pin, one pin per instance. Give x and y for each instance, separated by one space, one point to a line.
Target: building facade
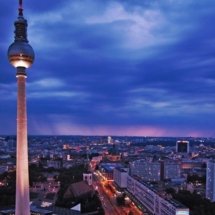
171 170
120 177
149 170
146 170
152 200
210 180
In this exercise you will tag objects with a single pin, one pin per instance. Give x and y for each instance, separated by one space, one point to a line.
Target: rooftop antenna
20 8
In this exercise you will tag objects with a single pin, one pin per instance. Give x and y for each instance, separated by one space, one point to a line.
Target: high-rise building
21 56
109 139
210 180
182 146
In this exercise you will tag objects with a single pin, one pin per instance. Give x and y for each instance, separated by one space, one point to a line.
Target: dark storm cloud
118 67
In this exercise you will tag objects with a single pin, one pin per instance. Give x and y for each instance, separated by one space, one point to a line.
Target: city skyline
114 68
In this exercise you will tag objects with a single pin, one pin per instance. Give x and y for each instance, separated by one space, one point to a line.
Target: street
107 197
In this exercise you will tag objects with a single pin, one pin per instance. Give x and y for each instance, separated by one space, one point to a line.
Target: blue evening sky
114 67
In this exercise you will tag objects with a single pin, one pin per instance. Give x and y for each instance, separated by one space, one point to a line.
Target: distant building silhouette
182 146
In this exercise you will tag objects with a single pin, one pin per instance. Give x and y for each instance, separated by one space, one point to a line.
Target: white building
120 177
150 199
210 180
88 177
109 139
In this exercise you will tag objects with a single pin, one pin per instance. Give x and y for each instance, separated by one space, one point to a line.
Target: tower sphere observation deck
20 53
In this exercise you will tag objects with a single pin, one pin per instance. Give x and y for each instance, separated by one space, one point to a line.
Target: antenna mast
20 8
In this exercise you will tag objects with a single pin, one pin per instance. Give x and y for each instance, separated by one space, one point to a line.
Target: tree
197 204
195 178
120 199
67 177
170 190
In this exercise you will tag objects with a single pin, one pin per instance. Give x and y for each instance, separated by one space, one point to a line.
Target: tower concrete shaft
22 173
21 56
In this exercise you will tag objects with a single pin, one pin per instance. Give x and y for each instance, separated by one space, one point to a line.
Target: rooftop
78 189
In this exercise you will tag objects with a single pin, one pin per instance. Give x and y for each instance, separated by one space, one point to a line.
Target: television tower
21 56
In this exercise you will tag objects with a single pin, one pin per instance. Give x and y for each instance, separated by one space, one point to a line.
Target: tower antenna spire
20 8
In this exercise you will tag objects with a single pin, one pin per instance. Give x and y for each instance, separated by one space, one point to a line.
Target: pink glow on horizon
66 128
